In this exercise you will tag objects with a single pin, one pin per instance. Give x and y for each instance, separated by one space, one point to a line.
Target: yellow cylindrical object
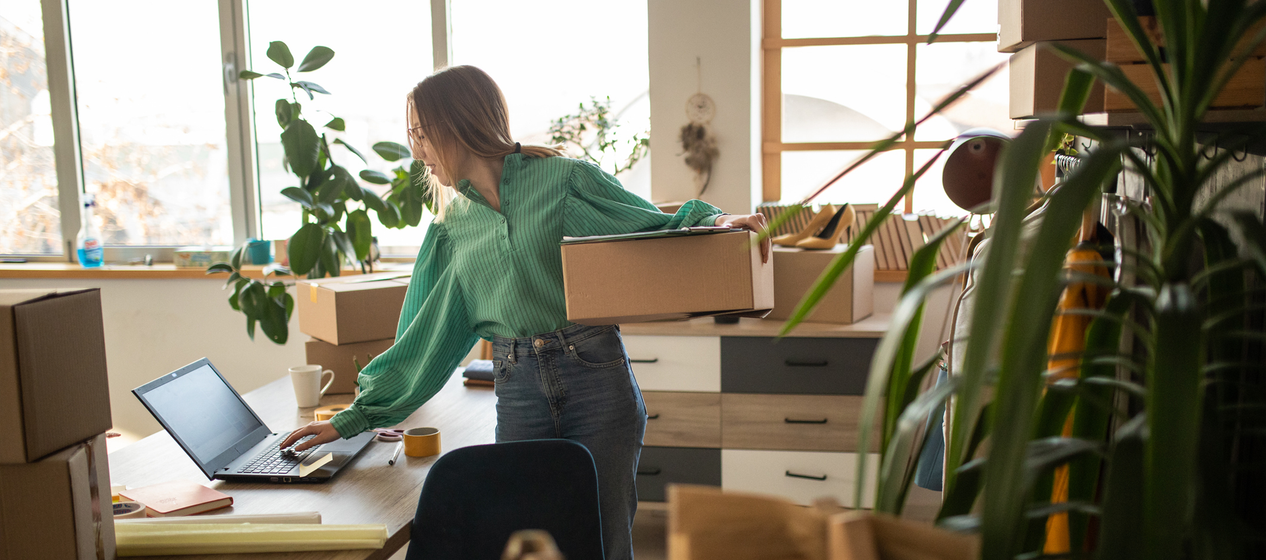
327 412
421 442
129 510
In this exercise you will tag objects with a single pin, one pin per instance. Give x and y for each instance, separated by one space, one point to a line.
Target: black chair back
475 497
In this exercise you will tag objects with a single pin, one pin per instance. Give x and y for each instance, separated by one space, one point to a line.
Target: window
29 216
839 77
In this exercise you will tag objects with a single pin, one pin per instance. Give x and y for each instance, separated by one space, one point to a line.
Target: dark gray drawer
821 366
660 466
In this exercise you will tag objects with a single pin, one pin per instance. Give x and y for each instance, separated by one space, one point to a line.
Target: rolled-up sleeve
433 336
597 204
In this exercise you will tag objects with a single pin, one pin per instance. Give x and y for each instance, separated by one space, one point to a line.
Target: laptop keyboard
275 460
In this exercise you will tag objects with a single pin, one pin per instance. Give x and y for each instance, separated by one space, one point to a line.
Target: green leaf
219 267
289 303
271 314
233 299
309 88
336 124
389 215
360 232
317 57
351 189
372 201
391 151
305 248
302 147
351 149
1123 497
278 52
329 256
299 195
234 277
950 10
332 187
248 75
285 113
375 177
235 259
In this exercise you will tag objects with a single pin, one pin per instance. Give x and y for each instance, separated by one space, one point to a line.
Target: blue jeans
576 384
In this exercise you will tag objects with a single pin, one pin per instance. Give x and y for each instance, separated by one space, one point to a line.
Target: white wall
153 327
725 38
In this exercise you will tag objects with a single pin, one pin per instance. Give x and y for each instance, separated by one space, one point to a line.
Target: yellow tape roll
129 510
421 442
327 412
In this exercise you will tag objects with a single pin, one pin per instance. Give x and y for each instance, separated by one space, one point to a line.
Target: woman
490 267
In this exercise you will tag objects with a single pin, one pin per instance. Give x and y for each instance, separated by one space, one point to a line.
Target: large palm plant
1167 454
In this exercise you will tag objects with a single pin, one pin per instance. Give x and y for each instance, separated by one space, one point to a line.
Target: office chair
475 497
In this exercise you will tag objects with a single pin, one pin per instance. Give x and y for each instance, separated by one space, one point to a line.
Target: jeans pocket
501 371
603 350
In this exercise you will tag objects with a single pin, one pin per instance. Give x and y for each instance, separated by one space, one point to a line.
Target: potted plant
336 227
1166 448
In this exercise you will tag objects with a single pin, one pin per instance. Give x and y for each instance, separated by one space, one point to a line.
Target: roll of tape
327 412
128 510
421 442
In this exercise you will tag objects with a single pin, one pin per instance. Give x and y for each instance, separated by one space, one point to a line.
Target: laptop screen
203 413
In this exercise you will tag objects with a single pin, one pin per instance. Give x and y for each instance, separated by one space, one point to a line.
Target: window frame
243 156
772 45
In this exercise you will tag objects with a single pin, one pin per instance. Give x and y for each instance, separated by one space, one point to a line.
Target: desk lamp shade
969 167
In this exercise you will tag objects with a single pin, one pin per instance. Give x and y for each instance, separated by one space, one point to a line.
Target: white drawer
785 473
676 363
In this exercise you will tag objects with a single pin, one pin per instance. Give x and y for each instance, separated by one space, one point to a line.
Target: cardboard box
796 270
348 309
58 508
201 257
1024 22
53 387
1037 77
666 278
339 359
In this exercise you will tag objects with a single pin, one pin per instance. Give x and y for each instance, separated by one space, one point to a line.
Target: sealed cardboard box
665 276
849 301
1024 22
338 358
53 387
348 309
1037 78
58 508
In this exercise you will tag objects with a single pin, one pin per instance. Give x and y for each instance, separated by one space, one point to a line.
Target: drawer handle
810 477
652 472
652 417
643 360
801 363
790 421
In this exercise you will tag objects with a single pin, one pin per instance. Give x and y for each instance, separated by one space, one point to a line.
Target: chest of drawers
731 406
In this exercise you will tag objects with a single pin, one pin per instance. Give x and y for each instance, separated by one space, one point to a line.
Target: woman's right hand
321 432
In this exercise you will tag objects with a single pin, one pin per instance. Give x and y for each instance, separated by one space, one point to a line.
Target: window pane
875 181
826 100
382 49
152 122
971 17
843 18
604 53
29 217
942 68
929 194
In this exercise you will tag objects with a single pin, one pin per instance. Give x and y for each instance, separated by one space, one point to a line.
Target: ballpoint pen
396 454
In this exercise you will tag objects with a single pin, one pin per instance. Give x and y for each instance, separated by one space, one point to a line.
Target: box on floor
54 392
796 271
58 508
666 278
350 309
338 358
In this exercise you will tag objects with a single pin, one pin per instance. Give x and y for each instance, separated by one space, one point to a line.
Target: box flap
657 234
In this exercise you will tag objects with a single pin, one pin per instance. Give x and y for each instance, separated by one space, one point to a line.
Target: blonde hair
462 105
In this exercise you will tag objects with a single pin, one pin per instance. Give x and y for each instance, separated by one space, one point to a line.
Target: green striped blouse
483 273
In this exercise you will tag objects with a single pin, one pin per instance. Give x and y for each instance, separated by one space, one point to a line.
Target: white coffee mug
307 382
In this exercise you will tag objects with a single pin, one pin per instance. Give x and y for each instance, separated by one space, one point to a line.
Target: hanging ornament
697 139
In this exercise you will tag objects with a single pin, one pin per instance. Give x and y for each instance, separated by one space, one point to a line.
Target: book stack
901 235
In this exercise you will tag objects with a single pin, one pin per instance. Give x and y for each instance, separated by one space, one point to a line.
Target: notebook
177 498
226 439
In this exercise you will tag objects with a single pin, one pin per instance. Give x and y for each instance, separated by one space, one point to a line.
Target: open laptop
226 439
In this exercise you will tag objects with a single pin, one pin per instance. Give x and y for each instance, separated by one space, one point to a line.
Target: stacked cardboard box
350 317
54 410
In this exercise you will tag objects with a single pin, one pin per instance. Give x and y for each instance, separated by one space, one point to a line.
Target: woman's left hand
754 222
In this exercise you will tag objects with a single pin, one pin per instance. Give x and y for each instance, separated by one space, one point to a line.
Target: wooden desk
366 491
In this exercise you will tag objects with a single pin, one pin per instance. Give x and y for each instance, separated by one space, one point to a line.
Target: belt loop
563 340
511 356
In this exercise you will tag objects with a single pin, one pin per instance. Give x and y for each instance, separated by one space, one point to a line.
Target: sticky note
304 470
